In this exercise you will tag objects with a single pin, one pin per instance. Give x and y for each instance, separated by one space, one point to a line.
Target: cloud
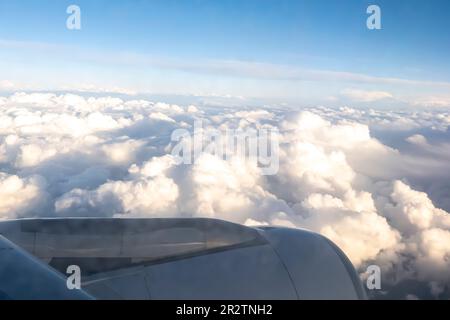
19 195
7 85
417 139
365 95
149 192
433 254
230 68
440 101
146 197
369 180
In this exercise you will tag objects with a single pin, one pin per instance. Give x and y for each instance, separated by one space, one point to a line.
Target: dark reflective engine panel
170 259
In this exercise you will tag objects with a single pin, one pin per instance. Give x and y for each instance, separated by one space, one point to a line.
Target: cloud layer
374 182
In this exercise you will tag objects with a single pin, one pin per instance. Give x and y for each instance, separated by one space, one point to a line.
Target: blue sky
275 50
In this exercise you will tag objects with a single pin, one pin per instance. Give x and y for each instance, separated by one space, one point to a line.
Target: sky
294 52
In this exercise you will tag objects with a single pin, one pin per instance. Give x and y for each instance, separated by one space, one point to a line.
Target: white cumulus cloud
375 182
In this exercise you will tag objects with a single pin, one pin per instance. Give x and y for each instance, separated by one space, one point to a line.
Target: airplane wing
193 258
24 277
